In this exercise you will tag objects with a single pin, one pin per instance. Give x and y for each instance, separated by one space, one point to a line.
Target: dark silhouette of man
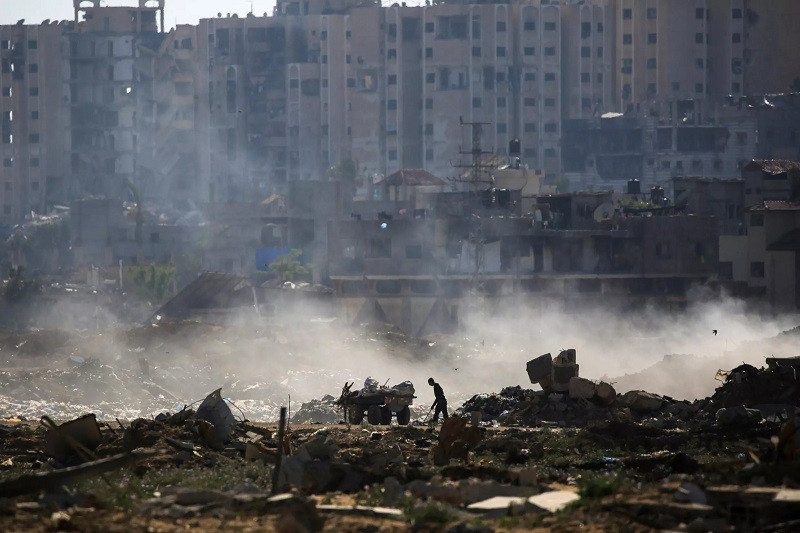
440 403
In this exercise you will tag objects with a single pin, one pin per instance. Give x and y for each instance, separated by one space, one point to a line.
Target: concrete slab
553 501
499 506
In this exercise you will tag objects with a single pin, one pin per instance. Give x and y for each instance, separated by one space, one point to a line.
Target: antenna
478 167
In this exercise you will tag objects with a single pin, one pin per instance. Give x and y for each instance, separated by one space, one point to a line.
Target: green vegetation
345 170
289 268
152 282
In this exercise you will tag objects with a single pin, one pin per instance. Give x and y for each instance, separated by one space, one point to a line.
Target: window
725 270
551 127
549 102
429 154
501 127
351 82
429 128
652 38
699 13
627 65
33 68
500 77
698 38
324 58
698 88
530 76
529 25
429 27
652 13
392 155
549 76
651 88
585 77
586 51
756 220
391 104
7 91
33 138
599 77
33 91
550 51
651 62
663 249
501 51
736 13
501 101
428 53
33 44
549 26
736 87
627 13
600 52
700 62
323 35
530 102
676 86
736 37
476 101
429 103
586 30
34 161
392 79
476 29
391 53
430 77
529 51
347 58
501 25
757 269
8 186
627 38
379 247
476 51
8 161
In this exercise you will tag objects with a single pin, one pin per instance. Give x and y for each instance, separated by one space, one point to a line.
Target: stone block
540 368
581 388
553 501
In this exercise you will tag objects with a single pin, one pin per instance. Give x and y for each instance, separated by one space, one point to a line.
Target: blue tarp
265 256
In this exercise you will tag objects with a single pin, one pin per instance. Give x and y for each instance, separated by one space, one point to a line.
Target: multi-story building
113 113
33 146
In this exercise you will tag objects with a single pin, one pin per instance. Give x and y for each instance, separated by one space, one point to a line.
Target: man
440 403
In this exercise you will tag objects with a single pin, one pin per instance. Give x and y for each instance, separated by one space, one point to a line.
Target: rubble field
94 438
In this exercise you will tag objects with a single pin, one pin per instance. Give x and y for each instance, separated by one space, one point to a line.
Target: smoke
263 362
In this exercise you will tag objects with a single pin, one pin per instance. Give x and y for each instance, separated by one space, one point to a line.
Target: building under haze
234 109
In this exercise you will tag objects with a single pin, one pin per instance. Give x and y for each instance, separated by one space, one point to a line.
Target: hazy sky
180 11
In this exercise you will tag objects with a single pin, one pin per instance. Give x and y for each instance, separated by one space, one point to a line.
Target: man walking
440 403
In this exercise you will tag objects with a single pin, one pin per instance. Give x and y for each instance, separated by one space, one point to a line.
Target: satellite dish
604 212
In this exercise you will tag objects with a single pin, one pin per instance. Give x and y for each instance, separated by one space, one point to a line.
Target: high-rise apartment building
33 144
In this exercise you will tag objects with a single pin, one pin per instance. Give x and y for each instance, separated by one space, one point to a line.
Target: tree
288 267
345 170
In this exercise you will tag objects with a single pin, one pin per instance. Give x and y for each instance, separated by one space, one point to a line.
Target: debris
581 388
216 412
690 493
642 401
499 506
455 441
28 483
727 416
60 443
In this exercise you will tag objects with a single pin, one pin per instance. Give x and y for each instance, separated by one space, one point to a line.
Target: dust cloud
92 361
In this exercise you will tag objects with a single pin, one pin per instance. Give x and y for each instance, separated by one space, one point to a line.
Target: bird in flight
714 331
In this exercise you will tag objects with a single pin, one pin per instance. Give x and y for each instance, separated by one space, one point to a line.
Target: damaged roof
211 290
773 166
413 177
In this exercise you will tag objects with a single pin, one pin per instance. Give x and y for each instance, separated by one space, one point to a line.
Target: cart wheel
404 416
386 415
374 414
356 415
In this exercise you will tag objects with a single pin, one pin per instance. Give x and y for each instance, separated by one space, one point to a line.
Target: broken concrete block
553 501
473 490
605 393
540 368
642 401
527 477
581 388
561 376
568 356
728 416
499 506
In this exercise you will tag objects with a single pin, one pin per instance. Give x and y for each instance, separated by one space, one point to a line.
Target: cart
379 404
